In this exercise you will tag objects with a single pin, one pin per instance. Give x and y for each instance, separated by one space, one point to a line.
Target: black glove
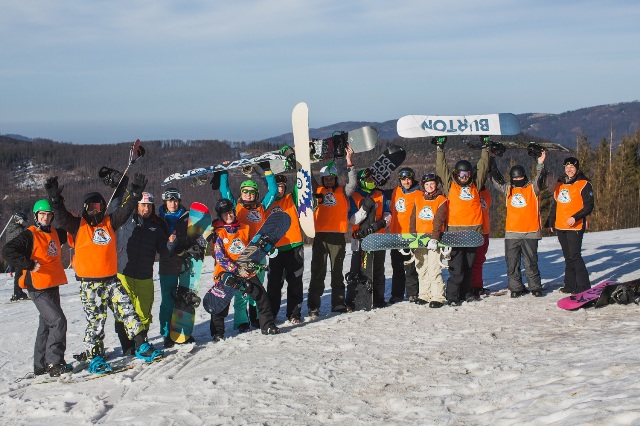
363 232
265 166
215 181
378 225
137 185
53 190
368 204
110 177
497 149
439 140
196 252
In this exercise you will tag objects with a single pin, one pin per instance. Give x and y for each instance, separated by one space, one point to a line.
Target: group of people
115 252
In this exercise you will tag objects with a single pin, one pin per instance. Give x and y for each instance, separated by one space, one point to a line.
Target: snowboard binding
339 144
358 278
182 296
290 154
534 150
110 177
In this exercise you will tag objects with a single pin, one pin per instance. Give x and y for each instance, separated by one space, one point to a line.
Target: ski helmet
224 205
406 172
281 179
329 170
518 171
39 206
249 184
171 194
429 177
93 208
463 166
571 161
363 175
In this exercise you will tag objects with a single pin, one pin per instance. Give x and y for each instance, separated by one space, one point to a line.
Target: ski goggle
405 174
429 177
462 174
571 162
249 191
93 207
171 194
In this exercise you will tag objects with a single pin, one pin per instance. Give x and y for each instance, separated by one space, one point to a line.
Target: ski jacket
230 242
33 245
431 214
171 263
571 198
13 230
402 209
485 205
138 241
293 237
331 214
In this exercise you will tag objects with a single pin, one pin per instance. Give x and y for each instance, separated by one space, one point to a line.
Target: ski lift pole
6 226
137 151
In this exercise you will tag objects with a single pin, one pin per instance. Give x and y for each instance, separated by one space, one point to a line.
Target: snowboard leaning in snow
248 166
261 245
411 241
422 126
360 140
597 295
300 124
389 160
186 298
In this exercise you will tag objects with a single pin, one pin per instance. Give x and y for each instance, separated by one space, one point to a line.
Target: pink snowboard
576 301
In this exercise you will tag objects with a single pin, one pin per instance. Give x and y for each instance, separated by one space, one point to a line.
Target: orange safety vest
425 213
233 243
376 195
464 206
294 233
485 204
401 209
523 210
47 252
568 201
253 217
331 214
95 251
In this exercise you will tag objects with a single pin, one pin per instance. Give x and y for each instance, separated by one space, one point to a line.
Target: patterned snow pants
96 296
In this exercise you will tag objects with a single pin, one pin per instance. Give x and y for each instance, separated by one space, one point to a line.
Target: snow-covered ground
497 361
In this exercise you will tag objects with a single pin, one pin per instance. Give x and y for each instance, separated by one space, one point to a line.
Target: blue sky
110 71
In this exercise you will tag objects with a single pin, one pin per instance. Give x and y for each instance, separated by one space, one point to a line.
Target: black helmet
406 172
571 161
224 205
429 177
463 166
516 172
281 179
93 208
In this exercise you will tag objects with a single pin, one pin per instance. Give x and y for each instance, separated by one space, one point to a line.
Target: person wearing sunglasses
522 227
460 186
250 210
176 216
403 201
572 203
332 224
96 267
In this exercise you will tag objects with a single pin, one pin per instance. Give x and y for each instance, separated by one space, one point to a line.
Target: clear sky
104 71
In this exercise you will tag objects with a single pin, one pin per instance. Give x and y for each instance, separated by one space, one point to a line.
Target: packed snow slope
495 361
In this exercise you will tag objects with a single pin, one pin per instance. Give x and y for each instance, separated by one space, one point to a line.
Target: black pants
576 276
127 344
16 287
459 282
216 325
527 250
378 277
290 265
51 340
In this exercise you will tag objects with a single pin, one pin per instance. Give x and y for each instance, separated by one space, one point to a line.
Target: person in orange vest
522 227
230 238
403 200
331 224
37 252
251 211
365 200
477 283
96 267
571 205
460 186
431 218
288 263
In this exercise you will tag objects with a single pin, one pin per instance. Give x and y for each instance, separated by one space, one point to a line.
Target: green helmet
42 206
249 183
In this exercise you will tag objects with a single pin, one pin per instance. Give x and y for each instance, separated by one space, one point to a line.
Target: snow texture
497 361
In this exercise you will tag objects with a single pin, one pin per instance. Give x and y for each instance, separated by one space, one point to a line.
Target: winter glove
110 177
378 225
432 244
53 190
497 149
265 166
136 187
215 181
362 232
439 140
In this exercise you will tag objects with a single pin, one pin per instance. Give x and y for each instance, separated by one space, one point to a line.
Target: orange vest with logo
568 201
233 243
331 214
95 251
294 233
376 195
401 209
485 204
253 217
47 252
426 211
464 205
523 210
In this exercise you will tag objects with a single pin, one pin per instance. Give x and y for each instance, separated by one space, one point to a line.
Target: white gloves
432 245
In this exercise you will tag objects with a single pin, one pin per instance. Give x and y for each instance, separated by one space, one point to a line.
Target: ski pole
136 152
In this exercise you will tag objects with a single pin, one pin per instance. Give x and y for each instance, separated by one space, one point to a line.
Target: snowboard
300 124
360 140
261 245
597 295
534 149
409 240
247 166
186 298
422 126
364 278
391 159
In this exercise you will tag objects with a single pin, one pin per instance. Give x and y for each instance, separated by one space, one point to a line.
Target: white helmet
329 170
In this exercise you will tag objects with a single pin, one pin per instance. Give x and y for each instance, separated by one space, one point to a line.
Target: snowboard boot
148 353
218 338
39 371
98 365
168 342
394 299
271 329
421 301
435 304
313 314
244 328
20 296
413 299
55 370
536 293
